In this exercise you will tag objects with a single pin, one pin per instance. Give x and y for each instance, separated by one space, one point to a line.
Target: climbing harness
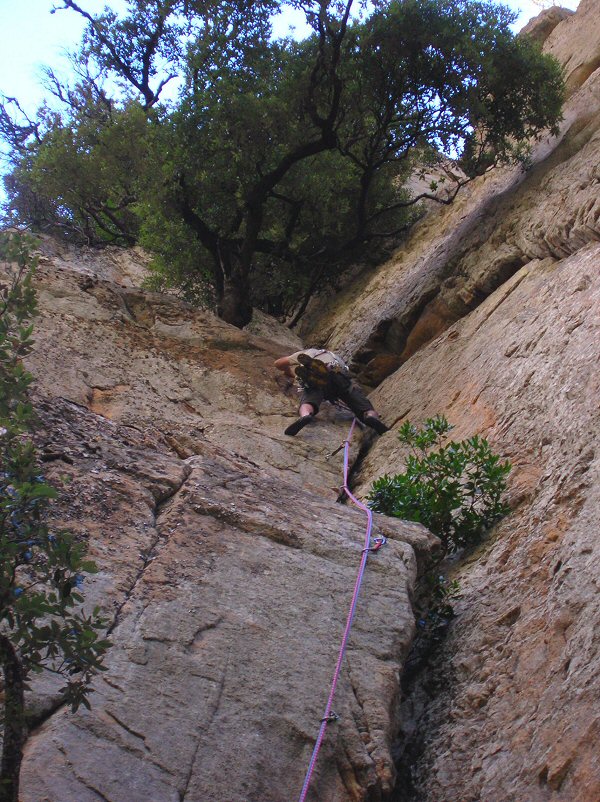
370 545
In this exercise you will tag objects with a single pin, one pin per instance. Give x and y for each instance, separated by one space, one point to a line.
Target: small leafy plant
42 625
455 490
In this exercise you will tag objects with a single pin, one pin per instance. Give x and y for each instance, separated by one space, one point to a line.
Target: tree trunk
14 721
314 283
234 304
233 289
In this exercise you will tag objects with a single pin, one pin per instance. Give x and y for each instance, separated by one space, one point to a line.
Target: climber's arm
284 364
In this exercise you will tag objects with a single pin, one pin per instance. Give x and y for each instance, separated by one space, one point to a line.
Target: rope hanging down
329 716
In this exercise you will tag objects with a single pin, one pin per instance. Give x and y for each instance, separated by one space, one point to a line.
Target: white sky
32 37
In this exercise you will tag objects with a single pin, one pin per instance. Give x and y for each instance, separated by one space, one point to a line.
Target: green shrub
42 625
455 490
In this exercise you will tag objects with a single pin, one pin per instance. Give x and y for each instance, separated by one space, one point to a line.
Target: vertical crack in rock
363 723
152 551
365 774
211 717
37 721
420 686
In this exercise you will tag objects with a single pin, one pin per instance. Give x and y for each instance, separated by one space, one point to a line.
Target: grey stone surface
229 590
226 563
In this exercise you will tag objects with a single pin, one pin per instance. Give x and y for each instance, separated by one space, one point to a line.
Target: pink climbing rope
328 715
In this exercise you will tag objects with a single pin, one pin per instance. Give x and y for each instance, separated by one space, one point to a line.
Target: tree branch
126 66
17 135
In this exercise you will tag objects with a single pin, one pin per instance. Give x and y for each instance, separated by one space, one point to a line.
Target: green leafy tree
42 625
81 181
455 489
280 162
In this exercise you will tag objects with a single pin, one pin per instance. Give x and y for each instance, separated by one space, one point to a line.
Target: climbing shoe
375 423
295 427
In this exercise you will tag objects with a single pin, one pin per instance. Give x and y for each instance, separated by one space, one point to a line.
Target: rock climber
323 376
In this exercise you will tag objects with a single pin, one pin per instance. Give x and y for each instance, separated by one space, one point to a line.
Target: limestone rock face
228 590
490 315
150 361
539 28
519 709
226 565
127 268
576 44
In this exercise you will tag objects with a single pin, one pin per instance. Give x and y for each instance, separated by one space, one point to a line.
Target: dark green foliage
81 181
42 625
455 490
279 163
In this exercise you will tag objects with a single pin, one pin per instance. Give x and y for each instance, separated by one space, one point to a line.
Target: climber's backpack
313 372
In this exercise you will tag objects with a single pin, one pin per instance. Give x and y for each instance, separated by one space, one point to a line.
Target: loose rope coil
329 716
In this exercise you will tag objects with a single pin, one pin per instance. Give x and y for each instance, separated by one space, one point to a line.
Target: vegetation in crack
453 488
42 623
456 490
278 162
